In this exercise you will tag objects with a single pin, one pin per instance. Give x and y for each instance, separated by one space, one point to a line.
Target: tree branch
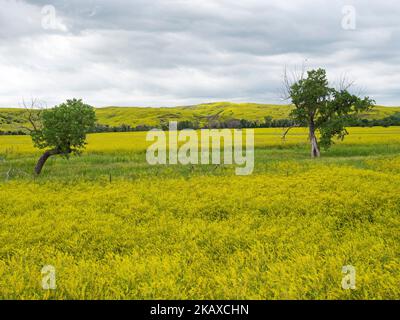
287 131
32 113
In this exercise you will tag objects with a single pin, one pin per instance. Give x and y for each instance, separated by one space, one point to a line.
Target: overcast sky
181 52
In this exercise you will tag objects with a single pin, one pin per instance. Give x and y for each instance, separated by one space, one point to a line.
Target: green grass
201 232
12 119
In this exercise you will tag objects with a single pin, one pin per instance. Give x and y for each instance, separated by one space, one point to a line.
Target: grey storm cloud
179 52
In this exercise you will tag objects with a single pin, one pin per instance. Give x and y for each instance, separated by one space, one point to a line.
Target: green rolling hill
12 119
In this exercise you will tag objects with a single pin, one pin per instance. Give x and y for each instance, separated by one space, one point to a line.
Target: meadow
115 227
13 119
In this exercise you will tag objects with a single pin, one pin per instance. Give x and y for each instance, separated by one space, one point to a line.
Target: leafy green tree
62 130
323 109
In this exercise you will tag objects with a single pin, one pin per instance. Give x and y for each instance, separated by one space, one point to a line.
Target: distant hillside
12 119
201 113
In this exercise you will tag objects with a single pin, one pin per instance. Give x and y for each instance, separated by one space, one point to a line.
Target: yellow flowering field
115 227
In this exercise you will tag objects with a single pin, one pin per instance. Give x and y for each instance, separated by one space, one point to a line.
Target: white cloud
182 52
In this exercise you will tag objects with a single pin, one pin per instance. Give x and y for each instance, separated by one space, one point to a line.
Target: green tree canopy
63 130
324 109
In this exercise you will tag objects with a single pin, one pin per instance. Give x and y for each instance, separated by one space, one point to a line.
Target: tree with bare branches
60 130
321 108
32 113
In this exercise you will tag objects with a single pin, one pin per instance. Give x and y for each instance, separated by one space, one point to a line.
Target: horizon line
188 106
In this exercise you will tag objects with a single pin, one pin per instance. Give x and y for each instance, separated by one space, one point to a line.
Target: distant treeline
268 122
215 124
12 133
393 120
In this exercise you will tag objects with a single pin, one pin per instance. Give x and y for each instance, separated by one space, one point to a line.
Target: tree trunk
42 160
315 153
